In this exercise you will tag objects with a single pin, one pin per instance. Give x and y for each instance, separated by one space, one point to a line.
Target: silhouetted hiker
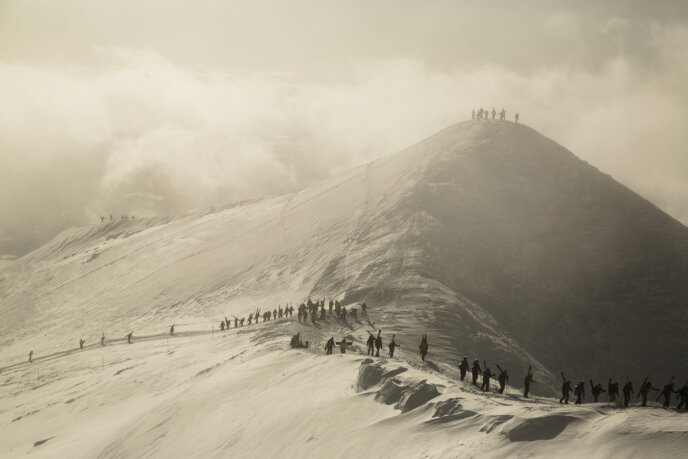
236 322
344 313
627 391
331 306
423 347
172 330
596 390
517 116
343 345
494 113
129 337
666 393
354 314
30 356
250 318
364 310
274 314
322 313
241 322
612 391
102 340
527 382
337 308
227 323
502 115
329 346
579 390
503 377
473 114
222 325
464 367
392 344
645 390
371 343
683 395
485 387
565 389
81 343
378 344
102 218
475 369
291 311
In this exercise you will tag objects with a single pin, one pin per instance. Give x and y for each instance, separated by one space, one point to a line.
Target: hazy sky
160 107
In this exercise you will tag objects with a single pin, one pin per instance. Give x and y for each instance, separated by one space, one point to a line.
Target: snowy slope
490 238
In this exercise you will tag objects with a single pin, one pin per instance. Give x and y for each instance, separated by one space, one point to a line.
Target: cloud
137 133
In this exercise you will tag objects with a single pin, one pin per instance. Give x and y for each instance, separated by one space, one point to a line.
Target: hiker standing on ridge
378 344
343 345
503 378
329 346
172 330
102 340
565 389
476 370
666 393
81 343
371 343
502 115
494 113
364 310
683 395
645 388
596 391
423 347
391 347
527 382
627 391
612 391
486 378
517 116
30 356
579 390
129 337
464 367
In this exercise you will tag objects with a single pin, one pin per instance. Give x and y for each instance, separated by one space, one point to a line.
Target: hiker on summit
81 343
475 369
344 313
666 393
627 391
503 378
222 325
528 381
274 314
102 340
337 308
486 378
464 367
391 347
612 391
565 389
250 318
364 310
322 312
517 116
579 390
502 115
242 321
645 389
227 323
236 322
494 113
129 337
423 347
596 390
331 306
683 395
378 343
30 356
329 346
172 330
370 343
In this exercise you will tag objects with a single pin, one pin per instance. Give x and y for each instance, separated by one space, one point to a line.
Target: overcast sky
160 106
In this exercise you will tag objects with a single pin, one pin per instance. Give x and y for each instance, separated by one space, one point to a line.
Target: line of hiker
483 114
121 217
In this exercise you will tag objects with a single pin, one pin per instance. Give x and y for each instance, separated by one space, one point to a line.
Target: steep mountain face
490 238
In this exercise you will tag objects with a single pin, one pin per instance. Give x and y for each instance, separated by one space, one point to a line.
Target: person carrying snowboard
565 390
392 345
527 382
475 369
486 378
423 347
596 390
464 367
503 377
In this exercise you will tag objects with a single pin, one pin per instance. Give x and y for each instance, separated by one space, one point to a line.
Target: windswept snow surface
490 238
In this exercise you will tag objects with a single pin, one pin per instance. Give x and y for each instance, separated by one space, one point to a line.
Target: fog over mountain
161 108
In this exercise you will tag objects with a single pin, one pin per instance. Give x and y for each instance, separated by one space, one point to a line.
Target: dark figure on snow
371 344
612 391
329 346
354 314
102 218
274 314
627 391
464 367
250 318
337 308
30 356
502 115
279 311
645 389
295 341
364 310
596 390
227 323
102 340
517 116
565 389
343 313
475 369
172 330
322 313
666 393
503 377
81 343
423 347
236 322
683 396
241 322
579 390
129 337
343 345
391 347
378 344
222 326
494 113
528 381
291 311
331 306
486 378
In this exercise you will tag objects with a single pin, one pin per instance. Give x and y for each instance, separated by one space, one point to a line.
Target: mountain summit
491 238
